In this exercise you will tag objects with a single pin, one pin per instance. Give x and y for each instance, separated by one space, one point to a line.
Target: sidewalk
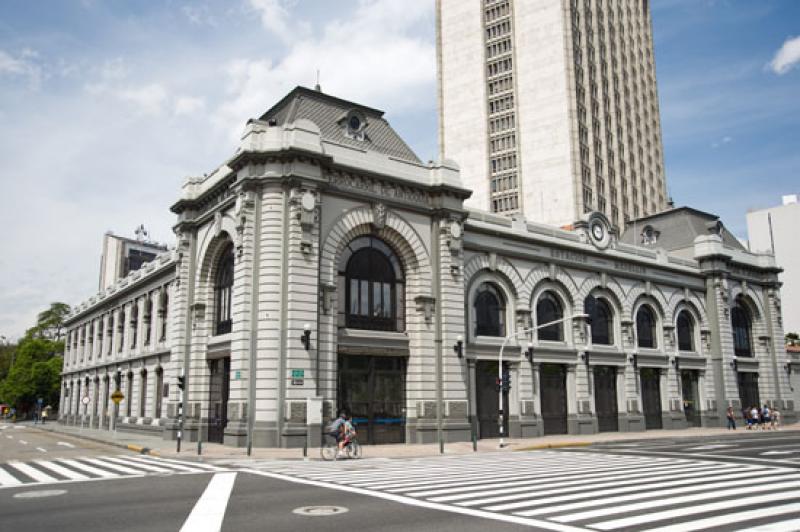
156 446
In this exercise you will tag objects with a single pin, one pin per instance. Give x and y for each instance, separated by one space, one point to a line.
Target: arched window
373 284
602 320
685 326
223 289
134 323
646 327
740 323
548 308
489 311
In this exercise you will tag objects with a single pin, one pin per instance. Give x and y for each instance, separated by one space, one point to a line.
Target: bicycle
329 449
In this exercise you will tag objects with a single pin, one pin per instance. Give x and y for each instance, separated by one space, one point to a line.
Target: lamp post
501 391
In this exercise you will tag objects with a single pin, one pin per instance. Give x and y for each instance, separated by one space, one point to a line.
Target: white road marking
116 467
195 465
10 437
209 511
709 447
146 467
63 471
41 449
781 526
771 453
179 467
745 502
19 427
422 504
7 479
35 474
65 444
23 442
87 468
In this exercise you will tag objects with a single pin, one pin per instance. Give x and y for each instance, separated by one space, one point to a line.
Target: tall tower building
550 107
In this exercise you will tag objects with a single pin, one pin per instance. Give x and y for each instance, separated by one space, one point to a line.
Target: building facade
774 231
324 267
551 107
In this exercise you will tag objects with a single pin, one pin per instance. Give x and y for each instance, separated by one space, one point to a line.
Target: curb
141 450
555 445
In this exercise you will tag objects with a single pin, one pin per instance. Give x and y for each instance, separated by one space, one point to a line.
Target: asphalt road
676 485
25 442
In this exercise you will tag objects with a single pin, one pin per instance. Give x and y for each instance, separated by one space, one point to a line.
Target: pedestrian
766 422
754 415
776 419
731 419
44 415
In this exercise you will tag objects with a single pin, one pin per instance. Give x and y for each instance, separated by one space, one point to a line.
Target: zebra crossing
20 474
571 491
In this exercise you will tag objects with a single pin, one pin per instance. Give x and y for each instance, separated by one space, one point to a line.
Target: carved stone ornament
426 305
524 320
627 332
379 215
217 223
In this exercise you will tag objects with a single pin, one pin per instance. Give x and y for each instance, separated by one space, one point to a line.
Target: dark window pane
646 327
373 280
548 309
740 323
602 320
223 290
489 310
685 332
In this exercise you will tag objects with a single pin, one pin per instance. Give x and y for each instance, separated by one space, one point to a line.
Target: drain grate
319 511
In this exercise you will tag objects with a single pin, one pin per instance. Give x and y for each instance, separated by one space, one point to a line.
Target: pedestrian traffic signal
506 383
181 382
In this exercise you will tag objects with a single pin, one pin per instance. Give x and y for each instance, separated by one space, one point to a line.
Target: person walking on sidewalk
44 415
731 418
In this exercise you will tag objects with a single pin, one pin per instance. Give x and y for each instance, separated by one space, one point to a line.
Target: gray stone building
324 266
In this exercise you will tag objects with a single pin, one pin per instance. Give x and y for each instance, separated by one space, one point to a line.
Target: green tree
50 323
792 338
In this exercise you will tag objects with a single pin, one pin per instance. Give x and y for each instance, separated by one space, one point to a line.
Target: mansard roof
677 228
328 112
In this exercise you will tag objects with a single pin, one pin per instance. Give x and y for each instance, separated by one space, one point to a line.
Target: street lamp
507 339
459 347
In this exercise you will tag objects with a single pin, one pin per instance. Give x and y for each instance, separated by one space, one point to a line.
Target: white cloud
787 57
149 99
199 16
373 56
188 105
722 141
22 66
275 17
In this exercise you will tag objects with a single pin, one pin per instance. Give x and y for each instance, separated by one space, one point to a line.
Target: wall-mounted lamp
459 347
529 353
306 336
585 357
735 364
788 368
634 359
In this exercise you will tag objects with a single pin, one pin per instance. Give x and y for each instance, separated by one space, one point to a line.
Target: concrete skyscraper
550 107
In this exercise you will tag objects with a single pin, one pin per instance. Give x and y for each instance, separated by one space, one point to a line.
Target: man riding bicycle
343 430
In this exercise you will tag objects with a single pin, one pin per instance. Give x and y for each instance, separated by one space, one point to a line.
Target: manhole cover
319 511
39 494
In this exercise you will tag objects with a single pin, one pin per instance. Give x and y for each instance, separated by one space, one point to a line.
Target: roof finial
317 86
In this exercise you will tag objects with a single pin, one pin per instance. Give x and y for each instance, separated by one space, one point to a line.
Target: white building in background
122 256
774 230
550 107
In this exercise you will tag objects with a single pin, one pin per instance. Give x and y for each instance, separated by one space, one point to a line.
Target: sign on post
298 377
85 400
117 396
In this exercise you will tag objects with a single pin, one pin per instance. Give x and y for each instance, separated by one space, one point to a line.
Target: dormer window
650 235
354 123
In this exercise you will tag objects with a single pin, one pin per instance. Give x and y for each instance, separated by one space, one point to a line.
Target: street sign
85 400
117 396
298 377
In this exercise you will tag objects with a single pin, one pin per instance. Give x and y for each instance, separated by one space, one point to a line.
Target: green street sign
298 373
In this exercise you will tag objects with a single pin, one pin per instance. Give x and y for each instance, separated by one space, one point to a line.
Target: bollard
474 440
305 447
249 448
199 447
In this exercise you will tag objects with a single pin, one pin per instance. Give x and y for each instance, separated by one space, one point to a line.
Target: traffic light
506 384
181 382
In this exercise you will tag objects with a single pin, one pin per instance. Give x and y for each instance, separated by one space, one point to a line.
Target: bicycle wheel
328 451
354 450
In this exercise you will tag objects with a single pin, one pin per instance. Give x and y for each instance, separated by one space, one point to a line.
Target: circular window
354 123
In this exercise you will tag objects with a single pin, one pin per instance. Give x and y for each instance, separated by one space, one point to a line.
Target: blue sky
106 106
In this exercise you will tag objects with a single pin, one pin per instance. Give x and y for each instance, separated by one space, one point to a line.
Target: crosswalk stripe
646 494
63 471
499 488
87 468
518 471
780 526
710 507
179 467
635 481
6 479
146 467
34 473
102 462
193 464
